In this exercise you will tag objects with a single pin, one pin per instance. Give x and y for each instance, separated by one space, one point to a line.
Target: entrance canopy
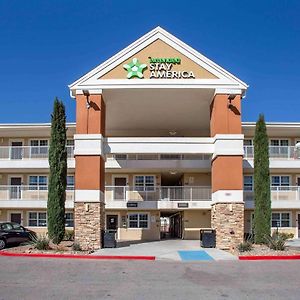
158 86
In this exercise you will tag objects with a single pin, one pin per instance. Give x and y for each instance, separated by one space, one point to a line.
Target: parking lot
40 278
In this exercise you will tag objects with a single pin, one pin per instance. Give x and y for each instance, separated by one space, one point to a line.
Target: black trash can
109 239
208 238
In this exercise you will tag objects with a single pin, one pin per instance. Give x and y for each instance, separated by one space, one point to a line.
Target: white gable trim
90 80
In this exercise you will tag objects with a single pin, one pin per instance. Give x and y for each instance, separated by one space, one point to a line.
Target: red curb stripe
269 257
74 256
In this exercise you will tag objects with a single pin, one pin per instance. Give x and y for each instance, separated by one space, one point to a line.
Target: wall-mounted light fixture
230 98
86 93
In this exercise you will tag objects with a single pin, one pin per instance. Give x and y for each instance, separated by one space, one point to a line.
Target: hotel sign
160 68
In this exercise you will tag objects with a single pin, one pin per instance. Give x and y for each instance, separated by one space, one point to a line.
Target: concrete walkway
295 243
167 250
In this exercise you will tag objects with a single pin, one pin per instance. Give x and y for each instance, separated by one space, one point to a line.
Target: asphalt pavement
41 278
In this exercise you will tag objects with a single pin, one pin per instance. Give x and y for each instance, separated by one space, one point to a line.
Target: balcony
281 197
29 157
25 196
157 162
158 193
158 197
275 152
29 152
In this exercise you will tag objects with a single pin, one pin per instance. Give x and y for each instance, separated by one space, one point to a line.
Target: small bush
69 235
285 235
245 246
40 242
276 242
76 247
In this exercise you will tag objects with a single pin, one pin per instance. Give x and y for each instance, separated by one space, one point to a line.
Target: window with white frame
70 148
39 148
280 180
138 220
69 219
144 182
37 219
70 182
38 182
248 148
248 183
281 219
279 142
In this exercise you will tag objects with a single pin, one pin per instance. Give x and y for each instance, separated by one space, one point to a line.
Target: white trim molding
228 144
88 144
89 196
228 196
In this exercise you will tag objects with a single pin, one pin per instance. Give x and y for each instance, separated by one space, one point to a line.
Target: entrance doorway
16 150
120 188
15 187
112 222
16 217
171 225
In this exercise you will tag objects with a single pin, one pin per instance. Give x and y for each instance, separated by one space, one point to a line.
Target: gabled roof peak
220 77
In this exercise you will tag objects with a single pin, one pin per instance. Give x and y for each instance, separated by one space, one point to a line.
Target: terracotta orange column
227 216
89 171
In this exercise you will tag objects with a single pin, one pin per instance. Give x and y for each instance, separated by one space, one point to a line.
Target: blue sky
46 45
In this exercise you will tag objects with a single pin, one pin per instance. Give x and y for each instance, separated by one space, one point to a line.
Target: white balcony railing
160 156
158 193
279 152
29 192
282 193
29 152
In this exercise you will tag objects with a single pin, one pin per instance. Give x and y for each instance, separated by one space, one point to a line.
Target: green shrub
69 235
76 247
276 242
245 246
40 242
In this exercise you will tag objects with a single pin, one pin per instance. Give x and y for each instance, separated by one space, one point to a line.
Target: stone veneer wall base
228 221
88 224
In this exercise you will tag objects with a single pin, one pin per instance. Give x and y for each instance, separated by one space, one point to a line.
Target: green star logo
135 69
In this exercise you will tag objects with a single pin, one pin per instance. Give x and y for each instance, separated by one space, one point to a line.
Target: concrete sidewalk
165 250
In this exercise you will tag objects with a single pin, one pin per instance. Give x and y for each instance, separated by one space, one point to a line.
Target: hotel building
158 151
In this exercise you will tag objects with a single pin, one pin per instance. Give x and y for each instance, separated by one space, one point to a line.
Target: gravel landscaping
65 247
265 250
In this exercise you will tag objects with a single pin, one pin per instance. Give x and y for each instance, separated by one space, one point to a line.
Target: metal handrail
158 193
29 192
286 152
284 193
29 152
124 156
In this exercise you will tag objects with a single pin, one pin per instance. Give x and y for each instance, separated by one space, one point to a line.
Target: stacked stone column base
88 224
228 221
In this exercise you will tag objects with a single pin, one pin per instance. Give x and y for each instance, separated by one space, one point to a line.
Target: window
38 182
39 148
37 219
279 142
248 142
70 142
70 182
138 220
144 183
281 220
69 220
248 183
280 181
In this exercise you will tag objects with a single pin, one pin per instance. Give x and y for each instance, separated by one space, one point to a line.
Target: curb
75 256
269 257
